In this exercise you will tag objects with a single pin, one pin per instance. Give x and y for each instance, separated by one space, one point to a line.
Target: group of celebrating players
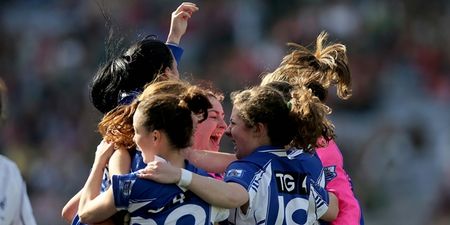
159 160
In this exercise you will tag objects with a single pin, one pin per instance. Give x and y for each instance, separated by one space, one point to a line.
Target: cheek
212 125
206 128
139 141
240 138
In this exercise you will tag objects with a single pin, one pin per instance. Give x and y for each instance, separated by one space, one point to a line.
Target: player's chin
237 152
213 146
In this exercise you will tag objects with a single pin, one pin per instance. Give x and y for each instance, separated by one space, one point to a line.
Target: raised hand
179 21
104 152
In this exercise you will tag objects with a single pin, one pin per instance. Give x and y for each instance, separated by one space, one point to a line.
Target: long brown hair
327 65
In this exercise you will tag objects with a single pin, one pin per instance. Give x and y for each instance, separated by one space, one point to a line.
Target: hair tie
289 105
151 37
126 98
126 58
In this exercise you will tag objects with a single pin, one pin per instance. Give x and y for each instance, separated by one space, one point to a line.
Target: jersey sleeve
176 50
340 184
319 195
315 184
241 173
122 187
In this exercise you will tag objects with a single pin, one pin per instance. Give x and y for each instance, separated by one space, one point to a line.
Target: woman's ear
169 74
156 136
164 76
259 129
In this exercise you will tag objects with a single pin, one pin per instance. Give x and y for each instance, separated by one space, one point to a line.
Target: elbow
86 217
331 214
232 201
235 198
68 213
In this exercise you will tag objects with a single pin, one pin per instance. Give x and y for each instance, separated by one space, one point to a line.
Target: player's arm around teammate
261 125
156 123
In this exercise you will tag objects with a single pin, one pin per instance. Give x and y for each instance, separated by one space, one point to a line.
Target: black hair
139 65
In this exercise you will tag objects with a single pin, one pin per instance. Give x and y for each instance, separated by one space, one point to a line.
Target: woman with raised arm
124 76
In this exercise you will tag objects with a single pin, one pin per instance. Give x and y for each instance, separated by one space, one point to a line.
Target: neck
175 157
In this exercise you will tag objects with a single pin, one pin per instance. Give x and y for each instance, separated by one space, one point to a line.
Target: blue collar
267 147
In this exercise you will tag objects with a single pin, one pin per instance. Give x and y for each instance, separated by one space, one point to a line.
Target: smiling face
241 135
209 132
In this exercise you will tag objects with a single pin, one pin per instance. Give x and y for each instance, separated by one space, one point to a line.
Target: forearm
217 192
86 208
173 38
97 207
70 209
333 208
214 162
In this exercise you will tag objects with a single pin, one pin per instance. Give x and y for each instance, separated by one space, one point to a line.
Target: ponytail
336 63
310 116
117 126
307 115
327 65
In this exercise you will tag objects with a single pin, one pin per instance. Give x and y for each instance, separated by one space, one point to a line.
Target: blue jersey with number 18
284 187
153 203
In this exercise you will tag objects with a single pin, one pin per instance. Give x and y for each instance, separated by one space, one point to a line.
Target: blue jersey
284 187
137 163
153 203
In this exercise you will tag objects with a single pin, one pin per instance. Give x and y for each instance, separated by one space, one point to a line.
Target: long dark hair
139 65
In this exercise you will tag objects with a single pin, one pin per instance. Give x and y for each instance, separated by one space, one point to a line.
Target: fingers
105 146
188 7
150 171
150 168
184 15
143 173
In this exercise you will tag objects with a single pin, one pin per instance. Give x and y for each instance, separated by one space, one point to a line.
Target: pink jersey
339 183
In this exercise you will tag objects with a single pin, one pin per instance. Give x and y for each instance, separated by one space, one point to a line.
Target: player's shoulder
300 154
8 165
330 155
10 175
306 160
189 166
6 161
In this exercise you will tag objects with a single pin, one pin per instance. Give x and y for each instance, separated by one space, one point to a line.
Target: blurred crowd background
394 132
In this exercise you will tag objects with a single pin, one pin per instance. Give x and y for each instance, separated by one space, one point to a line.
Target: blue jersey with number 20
153 203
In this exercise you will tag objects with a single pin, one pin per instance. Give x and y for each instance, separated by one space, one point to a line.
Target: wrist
185 178
100 162
173 39
172 43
